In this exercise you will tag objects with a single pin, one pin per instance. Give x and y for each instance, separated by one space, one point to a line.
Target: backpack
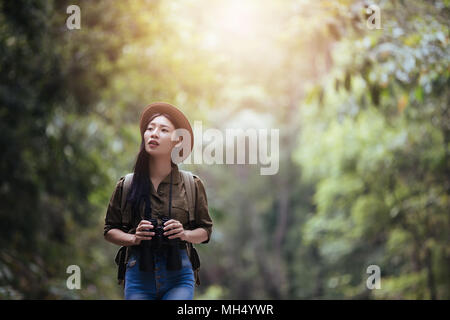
189 184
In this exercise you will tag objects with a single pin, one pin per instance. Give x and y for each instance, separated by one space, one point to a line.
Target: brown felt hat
179 119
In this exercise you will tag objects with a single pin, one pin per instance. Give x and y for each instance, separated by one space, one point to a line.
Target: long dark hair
140 185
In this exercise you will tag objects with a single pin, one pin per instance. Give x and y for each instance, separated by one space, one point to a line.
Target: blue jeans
160 284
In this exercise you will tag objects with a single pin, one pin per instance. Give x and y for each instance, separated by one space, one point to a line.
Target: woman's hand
174 229
142 233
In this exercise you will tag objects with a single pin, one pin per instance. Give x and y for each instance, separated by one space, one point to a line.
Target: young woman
154 224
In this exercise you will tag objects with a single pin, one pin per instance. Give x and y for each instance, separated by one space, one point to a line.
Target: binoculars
159 240
160 244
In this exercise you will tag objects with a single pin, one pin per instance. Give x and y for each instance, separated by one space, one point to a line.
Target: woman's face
157 137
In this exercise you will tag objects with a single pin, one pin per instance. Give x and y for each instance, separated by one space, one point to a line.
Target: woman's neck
159 168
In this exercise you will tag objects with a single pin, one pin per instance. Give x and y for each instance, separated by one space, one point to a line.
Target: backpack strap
189 184
122 256
126 187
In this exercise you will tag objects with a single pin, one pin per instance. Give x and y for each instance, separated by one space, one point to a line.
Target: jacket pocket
180 211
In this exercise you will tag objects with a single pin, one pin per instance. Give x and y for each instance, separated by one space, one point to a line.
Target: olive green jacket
123 220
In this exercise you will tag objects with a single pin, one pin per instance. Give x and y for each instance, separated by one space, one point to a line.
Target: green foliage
379 154
364 141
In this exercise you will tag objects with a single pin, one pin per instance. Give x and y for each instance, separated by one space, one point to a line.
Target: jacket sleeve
113 219
202 217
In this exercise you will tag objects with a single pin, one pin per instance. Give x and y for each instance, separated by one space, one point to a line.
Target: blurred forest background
364 127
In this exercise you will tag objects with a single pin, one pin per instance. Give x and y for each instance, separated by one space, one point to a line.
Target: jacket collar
176 176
